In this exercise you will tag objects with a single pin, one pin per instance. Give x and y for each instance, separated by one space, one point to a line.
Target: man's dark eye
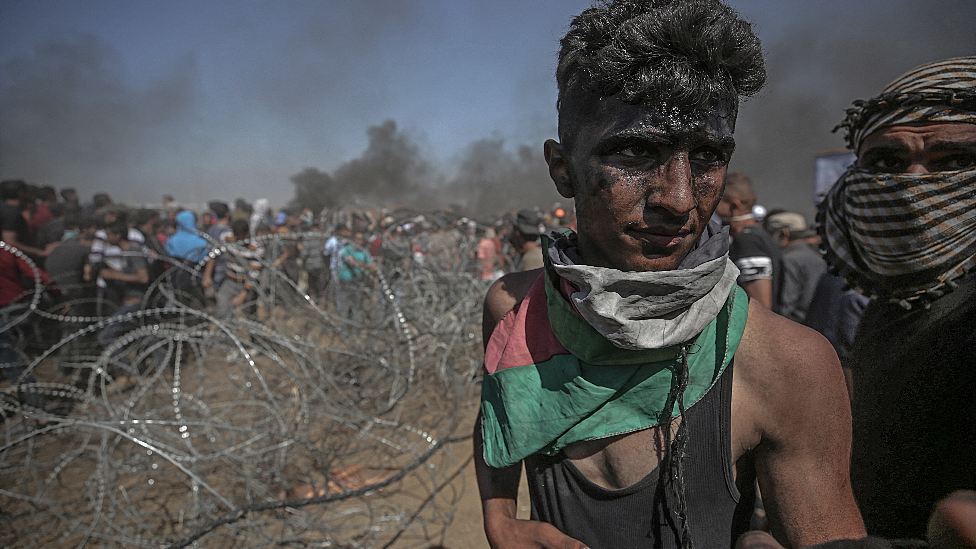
635 151
884 164
708 155
956 162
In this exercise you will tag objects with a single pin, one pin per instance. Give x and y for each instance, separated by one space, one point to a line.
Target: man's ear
738 208
558 170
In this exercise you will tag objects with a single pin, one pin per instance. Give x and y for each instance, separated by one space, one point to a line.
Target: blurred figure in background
354 261
802 263
753 251
489 256
525 239
187 249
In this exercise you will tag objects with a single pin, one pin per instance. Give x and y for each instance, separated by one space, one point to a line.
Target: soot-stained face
646 179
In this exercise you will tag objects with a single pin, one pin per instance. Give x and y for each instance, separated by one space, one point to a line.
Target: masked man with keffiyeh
640 387
900 226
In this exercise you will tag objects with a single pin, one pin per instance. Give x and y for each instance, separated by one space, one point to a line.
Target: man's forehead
936 132
662 117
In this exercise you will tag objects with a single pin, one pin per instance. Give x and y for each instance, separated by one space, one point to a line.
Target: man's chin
638 258
658 264
656 259
645 262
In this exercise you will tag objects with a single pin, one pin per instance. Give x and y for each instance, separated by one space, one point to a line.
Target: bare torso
620 461
790 425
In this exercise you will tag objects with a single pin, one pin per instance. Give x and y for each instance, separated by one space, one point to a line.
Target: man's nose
917 168
675 190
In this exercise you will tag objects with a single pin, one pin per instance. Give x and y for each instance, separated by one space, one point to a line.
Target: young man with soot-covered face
640 387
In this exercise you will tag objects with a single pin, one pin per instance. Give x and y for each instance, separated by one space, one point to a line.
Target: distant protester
260 215
801 261
525 239
186 244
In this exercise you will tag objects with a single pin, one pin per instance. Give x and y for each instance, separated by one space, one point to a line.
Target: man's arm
499 492
499 486
793 396
761 290
27 273
10 237
951 526
141 276
208 273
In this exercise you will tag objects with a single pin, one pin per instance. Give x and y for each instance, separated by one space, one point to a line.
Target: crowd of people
780 265
107 260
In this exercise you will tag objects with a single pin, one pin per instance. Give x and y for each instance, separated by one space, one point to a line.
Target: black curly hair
685 52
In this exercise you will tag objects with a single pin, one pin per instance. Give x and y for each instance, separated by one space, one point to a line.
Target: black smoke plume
492 179
392 171
314 190
70 117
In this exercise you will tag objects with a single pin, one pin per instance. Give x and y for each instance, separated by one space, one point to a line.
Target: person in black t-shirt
899 227
753 251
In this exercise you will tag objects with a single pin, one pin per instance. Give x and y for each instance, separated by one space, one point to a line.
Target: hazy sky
225 98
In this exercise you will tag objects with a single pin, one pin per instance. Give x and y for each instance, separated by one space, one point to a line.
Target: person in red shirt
43 213
18 279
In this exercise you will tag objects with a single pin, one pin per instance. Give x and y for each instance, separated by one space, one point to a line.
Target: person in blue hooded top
189 248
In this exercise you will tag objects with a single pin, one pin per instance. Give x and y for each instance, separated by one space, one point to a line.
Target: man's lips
659 236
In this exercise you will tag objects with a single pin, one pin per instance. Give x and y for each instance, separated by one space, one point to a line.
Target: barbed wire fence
298 429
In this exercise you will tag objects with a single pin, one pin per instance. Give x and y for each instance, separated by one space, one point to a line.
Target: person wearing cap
900 226
802 263
753 251
525 239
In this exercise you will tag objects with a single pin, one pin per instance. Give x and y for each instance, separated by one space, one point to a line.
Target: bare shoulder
787 376
778 353
503 295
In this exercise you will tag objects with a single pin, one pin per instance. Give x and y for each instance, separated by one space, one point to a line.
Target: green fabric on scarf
600 390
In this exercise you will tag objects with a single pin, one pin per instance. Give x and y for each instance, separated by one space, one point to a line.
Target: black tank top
642 515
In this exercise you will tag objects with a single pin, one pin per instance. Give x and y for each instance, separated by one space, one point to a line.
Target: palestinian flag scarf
553 379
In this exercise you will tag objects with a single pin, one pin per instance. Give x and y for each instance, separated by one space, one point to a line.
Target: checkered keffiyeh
904 236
